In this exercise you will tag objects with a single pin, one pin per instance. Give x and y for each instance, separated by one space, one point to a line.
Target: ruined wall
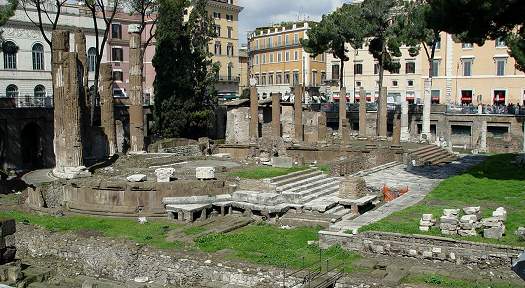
424 247
360 158
288 122
238 126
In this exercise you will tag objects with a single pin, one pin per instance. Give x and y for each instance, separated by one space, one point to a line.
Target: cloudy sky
265 12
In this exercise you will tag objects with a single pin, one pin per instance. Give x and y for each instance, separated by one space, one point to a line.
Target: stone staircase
432 155
311 188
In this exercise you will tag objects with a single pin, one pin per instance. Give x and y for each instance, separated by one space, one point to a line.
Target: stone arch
31 146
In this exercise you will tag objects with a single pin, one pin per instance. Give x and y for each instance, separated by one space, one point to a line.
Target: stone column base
71 172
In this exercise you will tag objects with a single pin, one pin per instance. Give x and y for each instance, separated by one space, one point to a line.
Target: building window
466 45
395 70
323 77
279 40
217 29
279 57
116 31
296 56
376 68
271 57
92 59
410 67
358 83
466 97
230 32
500 66
278 78
230 71
117 54
296 38
38 56
229 17
10 50
410 83
229 49
263 60
39 92
287 40
218 48
287 56
500 43
256 59
287 78
270 79
435 95
257 44
118 76
438 43
11 91
335 71
358 68
435 68
263 79
395 83
467 67
216 15
269 42
314 78
295 78
119 93
499 97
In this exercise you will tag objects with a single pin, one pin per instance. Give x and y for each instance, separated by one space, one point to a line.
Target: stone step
320 193
300 196
308 184
376 169
321 204
307 181
294 177
430 152
446 160
423 149
336 209
438 156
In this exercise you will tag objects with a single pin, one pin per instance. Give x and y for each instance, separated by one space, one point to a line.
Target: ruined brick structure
136 108
85 101
298 113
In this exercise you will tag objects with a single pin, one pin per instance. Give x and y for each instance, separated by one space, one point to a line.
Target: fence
486 109
26 101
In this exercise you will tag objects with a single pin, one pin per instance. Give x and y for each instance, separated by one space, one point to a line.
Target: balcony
26 101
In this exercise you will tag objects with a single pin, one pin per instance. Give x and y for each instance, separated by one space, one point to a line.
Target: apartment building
460 74
243 66
277 60
25 66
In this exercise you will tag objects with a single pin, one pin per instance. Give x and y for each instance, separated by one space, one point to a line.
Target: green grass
270 245
152 233
492 184
265 172
444 282
325 168
194 230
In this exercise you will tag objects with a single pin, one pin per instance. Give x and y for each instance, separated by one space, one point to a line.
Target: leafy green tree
343 26
478 20
7 11
185 99
385 33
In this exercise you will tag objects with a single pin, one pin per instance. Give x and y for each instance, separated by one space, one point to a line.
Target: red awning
466 98
336 97
411 97
368 97
435 97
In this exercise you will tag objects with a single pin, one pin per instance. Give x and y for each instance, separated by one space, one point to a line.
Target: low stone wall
123 261
424 247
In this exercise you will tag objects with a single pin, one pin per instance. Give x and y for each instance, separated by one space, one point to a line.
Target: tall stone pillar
382 112
276 115
396 135
254 114
136 107
405 133
427 106
298 113
362 113
342 112
67 114
107 113
321 122
85 104
483 137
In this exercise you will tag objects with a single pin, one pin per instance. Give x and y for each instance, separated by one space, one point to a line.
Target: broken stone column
85 101
342 112
396 135
322 130
107 113
405 133
254 114
276 115
298 114
136 107
362 113
382 112
427 106
483 137
67 118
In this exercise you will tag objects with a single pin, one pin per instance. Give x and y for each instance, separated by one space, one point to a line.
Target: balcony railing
486 109
26 101
229 79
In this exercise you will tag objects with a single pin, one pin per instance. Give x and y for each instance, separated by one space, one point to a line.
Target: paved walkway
420 182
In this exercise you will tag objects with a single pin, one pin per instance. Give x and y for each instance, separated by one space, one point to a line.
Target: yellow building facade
277 60
462 73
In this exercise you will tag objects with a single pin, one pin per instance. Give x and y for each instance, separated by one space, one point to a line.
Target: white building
25 64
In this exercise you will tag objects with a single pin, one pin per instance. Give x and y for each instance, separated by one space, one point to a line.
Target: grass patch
152 233
270 245
325 168
441 281
194 230
258 173
494 183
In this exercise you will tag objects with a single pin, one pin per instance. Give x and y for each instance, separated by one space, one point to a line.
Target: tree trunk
341 73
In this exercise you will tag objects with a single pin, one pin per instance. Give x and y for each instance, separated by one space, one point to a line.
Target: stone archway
32 146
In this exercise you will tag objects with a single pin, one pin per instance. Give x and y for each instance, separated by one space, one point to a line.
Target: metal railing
26 101
229 78
319 274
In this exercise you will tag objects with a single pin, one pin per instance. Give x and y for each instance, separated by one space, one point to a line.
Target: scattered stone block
282 162
412 252
467 232
137 178
352 188
471 210
205 173
424 228
521 233
449 220
449 232
500 214
448 226
450 212
427 217
494 232
164 175
492 222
